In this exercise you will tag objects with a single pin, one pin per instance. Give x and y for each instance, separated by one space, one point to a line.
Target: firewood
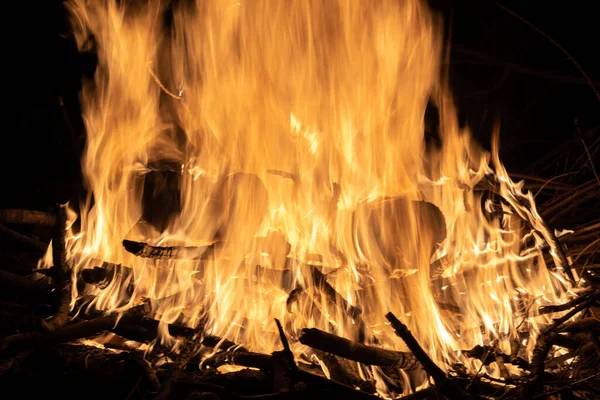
74 371
445 385
563 307
369 355
27 217
23 238
63 271
274 244
344 371
186 351
25 284
145 250
242 358
16 343
320 280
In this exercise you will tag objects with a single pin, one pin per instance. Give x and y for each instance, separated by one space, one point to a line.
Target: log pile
47 351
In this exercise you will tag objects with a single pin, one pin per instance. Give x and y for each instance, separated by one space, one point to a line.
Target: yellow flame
291 133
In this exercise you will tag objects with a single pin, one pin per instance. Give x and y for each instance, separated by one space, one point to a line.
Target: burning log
320 280
274 244
368 355
63 271
145 250
447 386
27 217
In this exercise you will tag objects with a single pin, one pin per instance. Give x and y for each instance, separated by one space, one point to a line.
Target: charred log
369 355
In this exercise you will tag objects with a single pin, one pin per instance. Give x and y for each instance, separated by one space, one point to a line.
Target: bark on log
369 355
63 271
27 217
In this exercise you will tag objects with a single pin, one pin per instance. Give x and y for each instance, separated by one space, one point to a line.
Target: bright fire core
275 138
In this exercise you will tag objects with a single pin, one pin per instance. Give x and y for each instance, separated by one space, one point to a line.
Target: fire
275 139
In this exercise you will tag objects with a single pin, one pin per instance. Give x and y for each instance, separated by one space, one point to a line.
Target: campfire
264 205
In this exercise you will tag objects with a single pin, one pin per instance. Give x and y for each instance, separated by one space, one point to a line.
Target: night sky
501 70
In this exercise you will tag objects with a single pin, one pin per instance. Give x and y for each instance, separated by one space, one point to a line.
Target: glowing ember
290 136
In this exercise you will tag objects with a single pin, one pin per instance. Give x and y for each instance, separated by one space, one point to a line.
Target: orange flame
289 130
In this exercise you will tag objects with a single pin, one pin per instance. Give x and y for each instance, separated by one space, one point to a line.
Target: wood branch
25 284
369 355
582 325
23 238
242 358
27 217
274 244
344 371
186 352
563 307
447 386
145 250
16 343
320 280
540 352
63 271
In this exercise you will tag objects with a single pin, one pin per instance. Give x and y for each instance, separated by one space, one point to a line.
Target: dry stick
560 359
557 325
540 352
23 238
578 195
582 325
63 271
545 342
369 355
27 217
540 396
14 344
446 386
563 307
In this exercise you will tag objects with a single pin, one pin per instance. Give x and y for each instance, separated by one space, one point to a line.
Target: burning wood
369 355
289 139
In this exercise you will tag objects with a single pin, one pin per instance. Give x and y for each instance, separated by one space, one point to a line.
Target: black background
501 70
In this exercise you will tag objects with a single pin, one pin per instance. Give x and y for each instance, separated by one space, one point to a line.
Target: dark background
501 71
